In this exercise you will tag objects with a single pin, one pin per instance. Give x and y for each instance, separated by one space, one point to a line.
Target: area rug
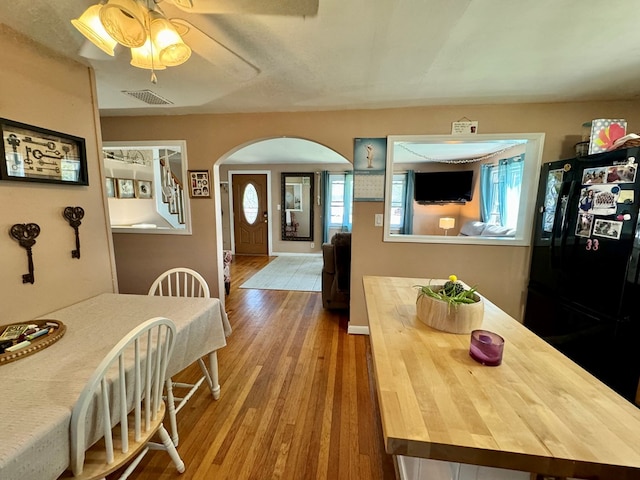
299 272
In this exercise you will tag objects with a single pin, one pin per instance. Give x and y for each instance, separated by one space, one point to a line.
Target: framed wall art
199 184
143 189
110 185
125 188
35 154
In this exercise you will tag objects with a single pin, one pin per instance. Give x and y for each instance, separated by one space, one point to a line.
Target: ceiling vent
147 96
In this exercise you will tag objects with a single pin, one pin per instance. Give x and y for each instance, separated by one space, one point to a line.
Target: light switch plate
378 220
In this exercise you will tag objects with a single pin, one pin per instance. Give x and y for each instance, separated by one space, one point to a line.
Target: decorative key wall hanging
25 234
34 154
74 215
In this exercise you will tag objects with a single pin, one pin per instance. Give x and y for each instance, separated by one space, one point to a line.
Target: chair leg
132 466
171 406
171 449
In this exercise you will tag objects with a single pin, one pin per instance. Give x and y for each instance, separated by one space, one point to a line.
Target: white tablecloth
37 393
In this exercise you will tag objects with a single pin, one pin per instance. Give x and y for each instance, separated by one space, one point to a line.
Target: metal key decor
74 215
25 234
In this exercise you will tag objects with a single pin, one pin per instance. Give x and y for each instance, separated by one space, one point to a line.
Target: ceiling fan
158 40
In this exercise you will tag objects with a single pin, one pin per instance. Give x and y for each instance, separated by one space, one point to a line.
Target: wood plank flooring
297 399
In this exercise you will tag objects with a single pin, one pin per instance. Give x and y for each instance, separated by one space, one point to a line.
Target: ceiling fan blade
265 7
214 52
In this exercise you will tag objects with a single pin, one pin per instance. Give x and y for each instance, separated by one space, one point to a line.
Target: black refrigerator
584 293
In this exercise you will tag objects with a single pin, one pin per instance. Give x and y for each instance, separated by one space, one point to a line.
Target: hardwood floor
297 399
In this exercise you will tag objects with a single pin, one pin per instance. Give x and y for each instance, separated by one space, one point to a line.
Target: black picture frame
34 154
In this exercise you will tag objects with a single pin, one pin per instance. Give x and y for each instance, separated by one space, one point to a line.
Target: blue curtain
501 192
407 221
348 201
509 184
486 192
326 205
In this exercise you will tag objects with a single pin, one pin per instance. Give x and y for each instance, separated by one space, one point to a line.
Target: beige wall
500 272
42 90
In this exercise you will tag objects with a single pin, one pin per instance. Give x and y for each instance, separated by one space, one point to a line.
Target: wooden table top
537 412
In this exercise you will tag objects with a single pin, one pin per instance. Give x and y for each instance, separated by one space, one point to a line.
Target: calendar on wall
369 160
368 187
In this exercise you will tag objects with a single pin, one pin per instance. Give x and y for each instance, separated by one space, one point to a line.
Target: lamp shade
172 49
447 223
126 21
147 57
90 26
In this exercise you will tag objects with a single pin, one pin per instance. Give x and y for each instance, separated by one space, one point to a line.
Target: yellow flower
453 278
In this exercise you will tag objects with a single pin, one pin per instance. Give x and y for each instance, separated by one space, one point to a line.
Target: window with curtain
338 198
500 186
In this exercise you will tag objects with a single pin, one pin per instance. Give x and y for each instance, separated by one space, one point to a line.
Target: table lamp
446 223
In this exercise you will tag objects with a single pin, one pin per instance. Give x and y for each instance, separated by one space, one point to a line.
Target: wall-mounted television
443 187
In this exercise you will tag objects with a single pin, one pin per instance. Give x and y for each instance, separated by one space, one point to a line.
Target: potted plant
450 307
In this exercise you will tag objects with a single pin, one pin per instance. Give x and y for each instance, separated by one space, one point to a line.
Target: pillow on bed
498 231
473 227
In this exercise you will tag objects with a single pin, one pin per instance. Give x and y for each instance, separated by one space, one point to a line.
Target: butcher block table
537 412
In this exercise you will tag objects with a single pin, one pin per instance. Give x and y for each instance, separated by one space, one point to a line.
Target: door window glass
250 204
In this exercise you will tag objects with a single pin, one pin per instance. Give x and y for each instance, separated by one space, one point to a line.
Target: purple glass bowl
486 347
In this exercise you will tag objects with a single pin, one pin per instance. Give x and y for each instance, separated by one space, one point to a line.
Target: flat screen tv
443 187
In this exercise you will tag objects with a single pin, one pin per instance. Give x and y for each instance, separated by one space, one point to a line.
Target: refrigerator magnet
594 175
626 196
607 228
622 173
599 199
584 224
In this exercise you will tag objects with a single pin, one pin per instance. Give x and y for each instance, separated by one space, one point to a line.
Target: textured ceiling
361 54
367 54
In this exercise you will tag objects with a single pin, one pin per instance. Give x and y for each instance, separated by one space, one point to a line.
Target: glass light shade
146 57
126 21
173 50
90 26
447 222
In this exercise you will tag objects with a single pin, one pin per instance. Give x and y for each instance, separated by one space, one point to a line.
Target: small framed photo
110 185
35 154
607 228
199 184
143 189
125 188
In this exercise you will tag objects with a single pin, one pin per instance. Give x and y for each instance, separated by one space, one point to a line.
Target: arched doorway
271 158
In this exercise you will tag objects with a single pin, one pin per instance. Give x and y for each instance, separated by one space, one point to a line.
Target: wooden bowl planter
461 318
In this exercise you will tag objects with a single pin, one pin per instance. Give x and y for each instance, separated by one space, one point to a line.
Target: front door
250 214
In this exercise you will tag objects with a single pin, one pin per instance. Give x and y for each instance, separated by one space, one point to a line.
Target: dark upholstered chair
336 271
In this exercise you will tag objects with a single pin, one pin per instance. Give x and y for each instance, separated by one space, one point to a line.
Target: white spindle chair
182 282
129 379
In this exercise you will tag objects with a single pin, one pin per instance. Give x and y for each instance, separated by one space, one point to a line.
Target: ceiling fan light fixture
146 57
172 49
126 21
91 27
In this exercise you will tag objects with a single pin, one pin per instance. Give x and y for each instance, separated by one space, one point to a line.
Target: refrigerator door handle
560 226
564 227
